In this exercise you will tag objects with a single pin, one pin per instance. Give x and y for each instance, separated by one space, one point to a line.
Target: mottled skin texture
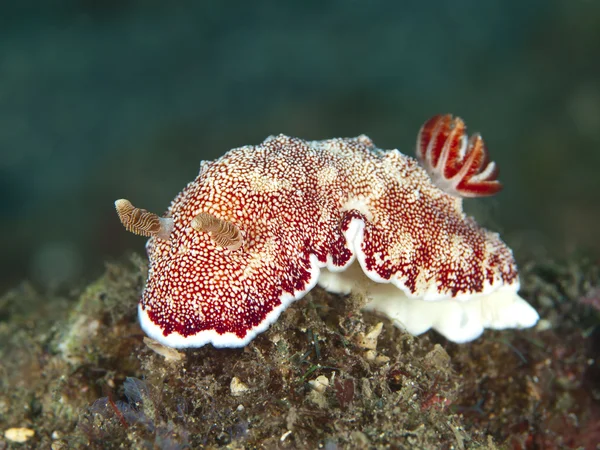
290 199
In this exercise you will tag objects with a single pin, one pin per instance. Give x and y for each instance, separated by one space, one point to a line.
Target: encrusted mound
302 207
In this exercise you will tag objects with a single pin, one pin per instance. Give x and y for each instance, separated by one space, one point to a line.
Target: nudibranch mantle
335 212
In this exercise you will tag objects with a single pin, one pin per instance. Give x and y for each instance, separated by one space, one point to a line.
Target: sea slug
262 225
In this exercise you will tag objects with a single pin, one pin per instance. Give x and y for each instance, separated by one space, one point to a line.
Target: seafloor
78 373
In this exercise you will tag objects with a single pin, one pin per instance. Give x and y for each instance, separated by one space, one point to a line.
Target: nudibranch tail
457 165
223 233
142 222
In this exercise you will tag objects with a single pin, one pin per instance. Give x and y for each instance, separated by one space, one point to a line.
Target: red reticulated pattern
293 202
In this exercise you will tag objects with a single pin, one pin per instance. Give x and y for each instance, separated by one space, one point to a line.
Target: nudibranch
261 226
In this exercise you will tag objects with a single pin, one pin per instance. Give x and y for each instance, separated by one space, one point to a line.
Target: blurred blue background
103 99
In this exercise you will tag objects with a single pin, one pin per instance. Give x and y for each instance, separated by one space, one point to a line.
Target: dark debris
85 379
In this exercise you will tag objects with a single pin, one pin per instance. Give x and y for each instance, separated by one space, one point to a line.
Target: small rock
170 354
320 383
318 399
543 325
59 444
370 355
360 439
369 341
19 434
382 359
285 435
237 387
291 418
438 358
223 438
365 388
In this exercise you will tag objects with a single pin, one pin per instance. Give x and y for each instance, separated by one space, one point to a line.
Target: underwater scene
299 225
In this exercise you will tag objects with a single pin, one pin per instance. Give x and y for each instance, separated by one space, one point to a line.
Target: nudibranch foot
331 212
458 320
458 317
457 165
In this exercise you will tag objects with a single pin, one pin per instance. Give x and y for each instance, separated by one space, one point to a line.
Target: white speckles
264 182
378 190
265 257
359 203
425 282
365 140
301 206
327 175
403 248
379 258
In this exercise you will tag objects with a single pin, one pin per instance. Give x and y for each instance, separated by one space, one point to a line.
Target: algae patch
79 374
